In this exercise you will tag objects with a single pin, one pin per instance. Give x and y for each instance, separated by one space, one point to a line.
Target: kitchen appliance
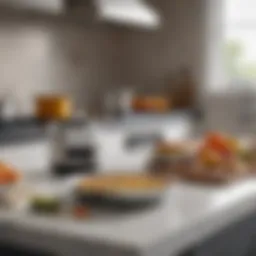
73 151
133 12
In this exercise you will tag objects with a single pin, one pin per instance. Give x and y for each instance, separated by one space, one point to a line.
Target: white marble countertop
189 214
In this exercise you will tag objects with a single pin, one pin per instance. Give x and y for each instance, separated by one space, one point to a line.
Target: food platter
212 178
217 159
121 190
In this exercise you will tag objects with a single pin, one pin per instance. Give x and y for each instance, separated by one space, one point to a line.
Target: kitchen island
188 222
188 216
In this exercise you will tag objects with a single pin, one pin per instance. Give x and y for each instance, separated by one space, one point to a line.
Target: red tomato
219 143
81 212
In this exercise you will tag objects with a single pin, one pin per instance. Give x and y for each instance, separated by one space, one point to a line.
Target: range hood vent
128 12
134 12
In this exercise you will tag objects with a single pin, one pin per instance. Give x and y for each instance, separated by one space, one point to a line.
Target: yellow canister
53 107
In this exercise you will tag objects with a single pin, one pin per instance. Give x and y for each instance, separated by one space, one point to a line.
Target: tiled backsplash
152 58
42 57
87 61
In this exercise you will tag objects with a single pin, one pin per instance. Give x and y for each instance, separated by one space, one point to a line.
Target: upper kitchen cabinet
134 13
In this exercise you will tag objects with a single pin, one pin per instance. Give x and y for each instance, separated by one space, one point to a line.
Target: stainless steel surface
133 12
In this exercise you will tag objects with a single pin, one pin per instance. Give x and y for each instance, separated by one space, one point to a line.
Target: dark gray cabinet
239 239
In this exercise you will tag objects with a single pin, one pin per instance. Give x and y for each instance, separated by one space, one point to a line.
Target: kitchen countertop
189 214
27 129
153 119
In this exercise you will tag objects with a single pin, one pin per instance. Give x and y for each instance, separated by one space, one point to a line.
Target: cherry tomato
219 143
81 212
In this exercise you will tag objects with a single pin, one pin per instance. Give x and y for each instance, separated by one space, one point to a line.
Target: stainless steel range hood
134 12
128 12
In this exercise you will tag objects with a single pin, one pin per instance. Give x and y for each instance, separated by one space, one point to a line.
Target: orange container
53 107
151 104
